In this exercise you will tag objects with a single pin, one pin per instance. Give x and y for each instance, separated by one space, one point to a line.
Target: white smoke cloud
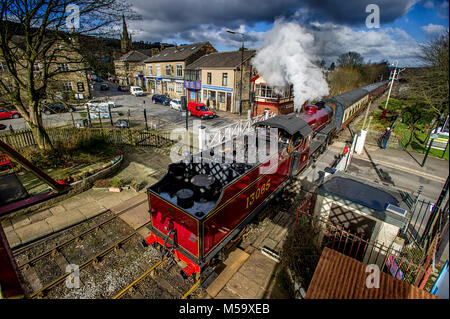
286 58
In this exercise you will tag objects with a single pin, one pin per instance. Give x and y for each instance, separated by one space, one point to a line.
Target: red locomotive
201 205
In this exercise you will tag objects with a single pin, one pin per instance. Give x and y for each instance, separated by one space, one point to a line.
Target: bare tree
430 84
350 59
37 34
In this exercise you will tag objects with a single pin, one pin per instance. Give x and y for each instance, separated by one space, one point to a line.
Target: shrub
116 182
101 183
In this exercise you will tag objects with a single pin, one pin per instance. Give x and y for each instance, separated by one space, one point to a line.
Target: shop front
220 98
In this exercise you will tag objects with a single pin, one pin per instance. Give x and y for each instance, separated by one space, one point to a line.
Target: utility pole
394 77
242 68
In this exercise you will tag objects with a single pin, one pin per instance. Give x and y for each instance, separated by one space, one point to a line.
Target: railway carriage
205 201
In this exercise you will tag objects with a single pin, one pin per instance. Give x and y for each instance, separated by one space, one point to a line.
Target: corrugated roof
176 53
132 56
230 59
341 277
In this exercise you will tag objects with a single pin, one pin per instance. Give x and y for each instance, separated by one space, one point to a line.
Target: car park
175 104
136 91
9 114
99 103
57 107
161 99
200 110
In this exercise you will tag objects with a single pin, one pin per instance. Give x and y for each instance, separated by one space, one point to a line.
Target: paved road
135 105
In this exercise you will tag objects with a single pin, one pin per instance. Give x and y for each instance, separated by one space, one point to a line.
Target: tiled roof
230 59
132 56
341 277
178 53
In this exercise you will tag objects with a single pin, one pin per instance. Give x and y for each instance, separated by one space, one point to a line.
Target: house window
179 70
222 97
150 71
224 79
67 87
170 86
179 87
36 67
158 70
208 78
80 86
212 95
63 67
127 67
168 69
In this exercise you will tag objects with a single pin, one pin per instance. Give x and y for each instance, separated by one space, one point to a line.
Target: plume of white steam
286 58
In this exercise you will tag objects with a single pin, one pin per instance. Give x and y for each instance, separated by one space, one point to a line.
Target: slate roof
373 196
221 60
341 277
179 53
133 56
369 88
291 123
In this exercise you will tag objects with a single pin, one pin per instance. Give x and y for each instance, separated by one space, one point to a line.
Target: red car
200 110
7 114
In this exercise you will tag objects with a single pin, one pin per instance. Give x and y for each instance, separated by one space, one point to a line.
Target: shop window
222 97
205 95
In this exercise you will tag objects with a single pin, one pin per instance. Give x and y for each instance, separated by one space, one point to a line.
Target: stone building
129 69
65 64
217 77
164 72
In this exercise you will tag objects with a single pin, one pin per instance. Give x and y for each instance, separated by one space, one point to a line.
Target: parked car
175 104
136 91
98 79
161 99
200 110
123 88
122 123
99 110
57 107
99 102
9 114
104 87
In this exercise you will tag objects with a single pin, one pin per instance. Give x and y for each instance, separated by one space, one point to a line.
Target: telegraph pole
394 77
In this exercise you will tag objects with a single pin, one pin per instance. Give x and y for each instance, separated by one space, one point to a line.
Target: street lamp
242 65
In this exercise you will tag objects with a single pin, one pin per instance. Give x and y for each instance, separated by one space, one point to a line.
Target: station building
267 98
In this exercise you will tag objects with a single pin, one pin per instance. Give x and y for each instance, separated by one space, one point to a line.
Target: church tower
125 39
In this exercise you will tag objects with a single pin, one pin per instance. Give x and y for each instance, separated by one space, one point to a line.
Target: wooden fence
73 136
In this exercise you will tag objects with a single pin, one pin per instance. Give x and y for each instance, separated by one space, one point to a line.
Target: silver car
175 104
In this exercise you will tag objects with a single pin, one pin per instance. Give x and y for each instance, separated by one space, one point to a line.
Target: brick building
164 72
217 77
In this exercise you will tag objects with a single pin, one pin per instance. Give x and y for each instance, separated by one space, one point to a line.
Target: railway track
100 248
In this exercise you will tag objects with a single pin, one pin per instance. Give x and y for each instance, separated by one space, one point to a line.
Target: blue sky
338 26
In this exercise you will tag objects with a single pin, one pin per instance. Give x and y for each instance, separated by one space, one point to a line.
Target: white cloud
432 30
429 4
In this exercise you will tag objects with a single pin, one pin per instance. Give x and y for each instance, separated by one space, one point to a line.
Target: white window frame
168 69
225 79
179 87
67 87
180 70
158 70
150 70
63 67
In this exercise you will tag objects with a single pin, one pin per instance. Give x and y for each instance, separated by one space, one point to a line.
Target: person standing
214 105
385 138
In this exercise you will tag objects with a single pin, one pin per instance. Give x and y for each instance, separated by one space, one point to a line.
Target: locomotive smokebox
185 198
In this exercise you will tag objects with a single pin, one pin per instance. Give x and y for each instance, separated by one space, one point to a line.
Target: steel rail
145 274
191 289
87 262
75 237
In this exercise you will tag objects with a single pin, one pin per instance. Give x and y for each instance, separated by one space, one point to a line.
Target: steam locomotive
202 204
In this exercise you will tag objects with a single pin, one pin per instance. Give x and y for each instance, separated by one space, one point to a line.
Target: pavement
435 168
